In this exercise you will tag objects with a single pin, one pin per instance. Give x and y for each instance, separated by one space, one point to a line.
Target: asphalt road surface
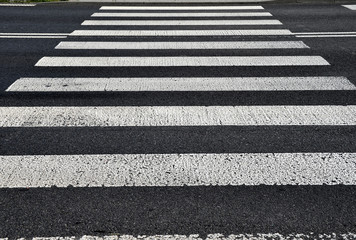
218 122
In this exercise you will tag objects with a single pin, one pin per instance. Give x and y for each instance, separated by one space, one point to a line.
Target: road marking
177 116
182 14
181 61
16 5
324 36
183 45
179 22
33 36
118 170
351 7
140 33
181 8
181 84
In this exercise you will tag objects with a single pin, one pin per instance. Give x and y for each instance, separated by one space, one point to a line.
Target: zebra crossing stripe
182 14
178 22
177 116
351 7
181 84
184 45
181 61
142 33
17 5
178 170
181 8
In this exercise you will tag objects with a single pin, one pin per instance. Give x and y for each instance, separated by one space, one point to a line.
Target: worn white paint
181 84
184 45
181 14
117 170
181 61
181 8
178 22
351 7
177 116
16 5
143 33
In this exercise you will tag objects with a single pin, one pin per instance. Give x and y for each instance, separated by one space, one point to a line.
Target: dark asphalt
176 210
211 139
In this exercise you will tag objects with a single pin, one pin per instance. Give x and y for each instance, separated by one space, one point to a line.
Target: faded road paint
179 22
181 84
142 33
176 116
181 61
184 45
116 170
182 14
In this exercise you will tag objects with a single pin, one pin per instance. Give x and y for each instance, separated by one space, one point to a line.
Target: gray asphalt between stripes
155 140
185 210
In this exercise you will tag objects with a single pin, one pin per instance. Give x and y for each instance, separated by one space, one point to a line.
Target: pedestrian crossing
181 61
213 159
178 170
351 7
169 33
180 84
182 14
178 22
177 116
173 8
17 5
184 45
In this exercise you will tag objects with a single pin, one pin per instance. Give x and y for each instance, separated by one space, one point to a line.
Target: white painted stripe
118 170
16 5
33 37
351 7
181 8
214 236
182 14
184 45
140 33
178 22
35 34
176 116
181 84
323 33
181 61
324 36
